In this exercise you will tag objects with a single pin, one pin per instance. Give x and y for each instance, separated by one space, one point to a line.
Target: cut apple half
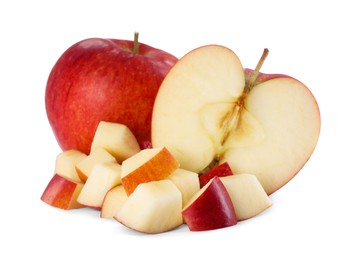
209 111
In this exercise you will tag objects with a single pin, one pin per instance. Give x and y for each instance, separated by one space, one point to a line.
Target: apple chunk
148 165
103 177
220 170
117 139
210 208
187 182
154 207
65 164
247 194
62 193
267 126
85 166
113 200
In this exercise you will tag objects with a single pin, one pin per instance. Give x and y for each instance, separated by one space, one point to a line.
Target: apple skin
102 79
62 193
220 170
212 208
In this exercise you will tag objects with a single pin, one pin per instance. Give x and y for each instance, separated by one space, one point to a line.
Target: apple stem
135 43
254 75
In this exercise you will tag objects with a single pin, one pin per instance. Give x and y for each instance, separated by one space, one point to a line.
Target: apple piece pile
146 190
223 138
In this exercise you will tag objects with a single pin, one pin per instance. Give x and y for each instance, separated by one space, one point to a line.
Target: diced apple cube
148 165
187 182
62 193
102 178
85 166
153 207
247 194
113 200
66 161
117 139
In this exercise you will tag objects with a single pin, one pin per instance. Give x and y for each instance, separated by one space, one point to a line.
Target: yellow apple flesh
153 207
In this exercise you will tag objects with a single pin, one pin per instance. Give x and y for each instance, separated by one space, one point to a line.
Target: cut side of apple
113 200
154 207
85 166
103 177
266 127
187 182
148 165
210 208
247 194
117 139
62 193
65 164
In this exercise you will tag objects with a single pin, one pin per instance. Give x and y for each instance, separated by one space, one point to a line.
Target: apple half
209 111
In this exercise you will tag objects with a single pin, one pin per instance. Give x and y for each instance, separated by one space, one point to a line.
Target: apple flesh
113 200
65 164
210 208
247 194
117 139
62 193
103 177
268 126
154 207
187 182
148 165
109 80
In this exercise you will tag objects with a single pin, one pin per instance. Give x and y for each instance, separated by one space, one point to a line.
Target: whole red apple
104 80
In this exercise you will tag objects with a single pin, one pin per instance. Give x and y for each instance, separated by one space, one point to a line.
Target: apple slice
153 207
85 166
220 171
62 193
247 194
103 177
187 182
147 165
266 125
65 164
113 200
117 139
210 208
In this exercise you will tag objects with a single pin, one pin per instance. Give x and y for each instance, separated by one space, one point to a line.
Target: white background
315 216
